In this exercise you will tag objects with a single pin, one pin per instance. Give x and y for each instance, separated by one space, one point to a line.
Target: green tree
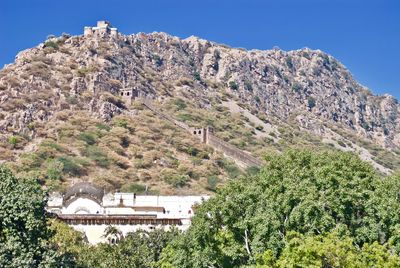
309 193
332 249
24 235
137 249
68 241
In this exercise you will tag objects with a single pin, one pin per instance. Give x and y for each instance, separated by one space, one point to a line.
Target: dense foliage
311 194
329 250
303 209
24 236
137 249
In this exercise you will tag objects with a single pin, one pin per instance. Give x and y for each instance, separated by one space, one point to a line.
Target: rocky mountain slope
62 117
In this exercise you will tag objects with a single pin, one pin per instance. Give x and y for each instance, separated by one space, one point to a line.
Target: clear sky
363 34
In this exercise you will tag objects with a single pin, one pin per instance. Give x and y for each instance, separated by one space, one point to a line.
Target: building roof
84 189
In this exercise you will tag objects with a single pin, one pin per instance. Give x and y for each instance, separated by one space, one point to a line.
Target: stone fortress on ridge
130 93
103 27
88 209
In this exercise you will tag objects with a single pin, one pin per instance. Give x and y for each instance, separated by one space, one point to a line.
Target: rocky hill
62 117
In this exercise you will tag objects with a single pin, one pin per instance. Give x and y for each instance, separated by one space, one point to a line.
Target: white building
103 28
88 209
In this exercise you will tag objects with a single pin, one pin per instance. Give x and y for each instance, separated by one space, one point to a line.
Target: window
194 132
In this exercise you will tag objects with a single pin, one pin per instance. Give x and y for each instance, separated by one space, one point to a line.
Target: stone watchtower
103 28
128 94
203 134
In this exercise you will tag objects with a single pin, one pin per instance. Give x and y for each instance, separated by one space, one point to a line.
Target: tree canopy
298 191
24 236
136 249
302 209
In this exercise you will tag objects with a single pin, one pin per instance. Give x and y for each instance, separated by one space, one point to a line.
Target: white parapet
86 208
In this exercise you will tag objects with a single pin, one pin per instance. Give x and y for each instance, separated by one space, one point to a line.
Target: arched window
194 132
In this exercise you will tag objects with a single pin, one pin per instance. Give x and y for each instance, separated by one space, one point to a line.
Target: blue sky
363 34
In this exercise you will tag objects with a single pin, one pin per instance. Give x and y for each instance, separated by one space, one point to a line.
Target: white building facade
88 209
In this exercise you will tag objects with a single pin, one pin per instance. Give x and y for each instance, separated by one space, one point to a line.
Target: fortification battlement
103 27
204 134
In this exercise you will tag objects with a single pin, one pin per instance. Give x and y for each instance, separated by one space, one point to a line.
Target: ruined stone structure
129 94
202 133
87 208
241 158
103 28
205 135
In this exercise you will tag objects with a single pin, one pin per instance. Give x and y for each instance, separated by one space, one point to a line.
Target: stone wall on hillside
241 158
206 136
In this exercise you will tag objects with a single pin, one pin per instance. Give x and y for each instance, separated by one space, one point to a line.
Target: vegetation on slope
60 111
304 209
132 152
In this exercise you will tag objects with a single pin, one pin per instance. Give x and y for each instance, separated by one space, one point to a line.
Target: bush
248 86
180 104
82 72
121 123
252 171
71 165
157 60
88 137
289 62
197 76
311 102
54 170
51 44
233 85
192 151
102 126
72 100
230 167
212 183
341 143
296 87
175 179
13 141
134 188
141 163
97 155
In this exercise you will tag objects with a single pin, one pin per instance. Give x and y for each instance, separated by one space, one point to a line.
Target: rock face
305 87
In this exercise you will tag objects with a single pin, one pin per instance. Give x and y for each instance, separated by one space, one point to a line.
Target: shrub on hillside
175 179
98 155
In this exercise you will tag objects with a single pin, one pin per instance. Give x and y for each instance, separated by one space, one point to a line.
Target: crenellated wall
206 136
241 158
